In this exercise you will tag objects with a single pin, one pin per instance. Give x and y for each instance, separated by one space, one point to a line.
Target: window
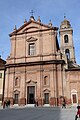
0 75
66 39
31 49
46 80
67 53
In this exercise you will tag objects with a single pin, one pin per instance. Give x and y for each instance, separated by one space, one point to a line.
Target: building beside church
71 75
38 70
2 78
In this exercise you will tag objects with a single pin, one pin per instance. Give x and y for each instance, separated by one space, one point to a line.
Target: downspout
3 85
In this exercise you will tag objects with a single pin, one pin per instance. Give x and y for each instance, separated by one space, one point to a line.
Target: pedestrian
78 113
64 104
4 103
8 102
36 102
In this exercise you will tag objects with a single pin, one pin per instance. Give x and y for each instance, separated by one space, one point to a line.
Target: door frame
28 95
74 92
17 92
44 97
31 83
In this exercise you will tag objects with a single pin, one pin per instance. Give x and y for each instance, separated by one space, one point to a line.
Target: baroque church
38 68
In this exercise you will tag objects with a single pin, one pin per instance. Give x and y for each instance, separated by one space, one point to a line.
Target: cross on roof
64 16
32 12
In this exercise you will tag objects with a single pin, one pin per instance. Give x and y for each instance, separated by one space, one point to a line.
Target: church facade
40 71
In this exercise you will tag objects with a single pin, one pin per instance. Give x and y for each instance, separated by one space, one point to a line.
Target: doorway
74 98
46 98
16 97
31 94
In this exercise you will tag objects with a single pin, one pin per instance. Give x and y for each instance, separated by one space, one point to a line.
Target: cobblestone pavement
37 113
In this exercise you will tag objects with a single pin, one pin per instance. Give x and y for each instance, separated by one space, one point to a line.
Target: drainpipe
3 85
56 87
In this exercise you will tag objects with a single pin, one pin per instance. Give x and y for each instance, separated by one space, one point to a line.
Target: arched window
46 80
67 53
66 39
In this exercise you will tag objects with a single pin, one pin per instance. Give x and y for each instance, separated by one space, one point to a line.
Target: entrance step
14 106
30 105
46 105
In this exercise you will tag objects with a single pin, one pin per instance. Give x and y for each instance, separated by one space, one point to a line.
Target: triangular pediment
16 91
31 26
46 90
31 39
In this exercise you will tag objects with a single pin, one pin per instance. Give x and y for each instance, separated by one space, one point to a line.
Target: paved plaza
37 113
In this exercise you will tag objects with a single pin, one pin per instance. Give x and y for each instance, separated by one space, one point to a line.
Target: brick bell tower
66 40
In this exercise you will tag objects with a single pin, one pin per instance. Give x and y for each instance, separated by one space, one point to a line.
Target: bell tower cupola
66 40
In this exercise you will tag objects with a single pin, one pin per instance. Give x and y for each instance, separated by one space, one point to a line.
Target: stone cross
32 12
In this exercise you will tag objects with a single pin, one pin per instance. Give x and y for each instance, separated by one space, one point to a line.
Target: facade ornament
50 23
25 21
15 28
39 19
32 18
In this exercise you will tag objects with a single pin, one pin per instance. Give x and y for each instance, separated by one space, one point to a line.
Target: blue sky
14 12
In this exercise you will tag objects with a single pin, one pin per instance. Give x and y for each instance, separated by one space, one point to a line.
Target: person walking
64 104
4 103
78 113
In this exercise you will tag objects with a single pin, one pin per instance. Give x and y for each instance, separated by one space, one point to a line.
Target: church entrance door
31 94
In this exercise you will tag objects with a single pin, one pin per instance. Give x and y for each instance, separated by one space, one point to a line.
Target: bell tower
66 40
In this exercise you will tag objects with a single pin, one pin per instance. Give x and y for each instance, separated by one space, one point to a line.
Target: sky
14 12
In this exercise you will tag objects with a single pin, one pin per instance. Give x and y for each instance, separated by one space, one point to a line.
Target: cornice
73 69
16 33
35 63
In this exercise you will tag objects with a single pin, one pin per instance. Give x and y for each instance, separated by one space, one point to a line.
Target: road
37 113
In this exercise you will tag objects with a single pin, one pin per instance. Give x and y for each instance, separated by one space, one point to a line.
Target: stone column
39 86
22 100
6 84
60 84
